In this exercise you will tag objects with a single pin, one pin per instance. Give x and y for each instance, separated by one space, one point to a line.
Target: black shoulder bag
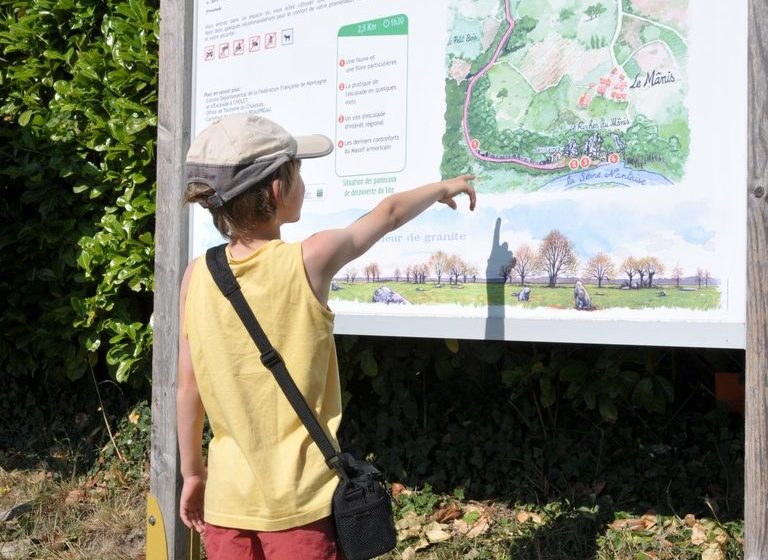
362 507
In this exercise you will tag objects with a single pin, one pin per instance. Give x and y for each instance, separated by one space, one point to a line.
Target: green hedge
78 105
609 426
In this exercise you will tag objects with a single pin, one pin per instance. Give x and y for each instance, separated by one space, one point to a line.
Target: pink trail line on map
472 81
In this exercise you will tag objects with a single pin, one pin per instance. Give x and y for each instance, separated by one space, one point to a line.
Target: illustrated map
554 95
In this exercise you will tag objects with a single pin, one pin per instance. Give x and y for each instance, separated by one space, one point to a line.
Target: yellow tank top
264 471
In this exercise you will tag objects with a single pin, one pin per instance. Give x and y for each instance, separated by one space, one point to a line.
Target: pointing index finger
470 190
472 197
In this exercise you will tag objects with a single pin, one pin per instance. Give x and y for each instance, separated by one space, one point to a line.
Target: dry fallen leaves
448 513
480 527
631 524
644 523
698 534
436 533
410 526
526 516
476 521
460 527
453 519
650 519
421 545
721 536
76 496
398 489
21 548
713 552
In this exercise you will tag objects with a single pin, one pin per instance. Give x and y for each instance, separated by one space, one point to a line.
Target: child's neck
245 246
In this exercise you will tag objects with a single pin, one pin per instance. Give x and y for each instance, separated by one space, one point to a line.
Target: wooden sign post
756 420
171 255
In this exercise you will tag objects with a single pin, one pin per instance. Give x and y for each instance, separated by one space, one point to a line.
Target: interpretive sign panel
608 138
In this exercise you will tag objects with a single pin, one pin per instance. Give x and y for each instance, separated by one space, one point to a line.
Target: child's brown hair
238 219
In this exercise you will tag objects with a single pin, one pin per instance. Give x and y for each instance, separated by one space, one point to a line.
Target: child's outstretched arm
325 253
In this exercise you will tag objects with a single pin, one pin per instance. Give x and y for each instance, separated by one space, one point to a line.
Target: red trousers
315 541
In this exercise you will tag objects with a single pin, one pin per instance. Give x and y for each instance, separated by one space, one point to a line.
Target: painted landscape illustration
572 97
549 274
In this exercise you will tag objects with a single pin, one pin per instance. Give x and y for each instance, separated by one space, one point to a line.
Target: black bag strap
216 259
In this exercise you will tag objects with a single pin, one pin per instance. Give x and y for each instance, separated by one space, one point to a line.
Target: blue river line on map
616 174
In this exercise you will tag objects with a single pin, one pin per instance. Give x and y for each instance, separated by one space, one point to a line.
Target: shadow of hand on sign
500 264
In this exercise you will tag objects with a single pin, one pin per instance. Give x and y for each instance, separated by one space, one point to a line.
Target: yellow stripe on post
194 545
157 547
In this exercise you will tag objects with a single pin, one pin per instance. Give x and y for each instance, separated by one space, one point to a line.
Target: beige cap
236 152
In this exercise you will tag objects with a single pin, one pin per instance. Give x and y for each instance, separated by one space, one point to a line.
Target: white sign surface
608 139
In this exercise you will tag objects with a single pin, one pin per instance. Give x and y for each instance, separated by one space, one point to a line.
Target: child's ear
276 194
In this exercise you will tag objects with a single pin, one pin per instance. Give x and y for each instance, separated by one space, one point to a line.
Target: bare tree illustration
469 270
423 272
677 274
454 266
600 267
505 271
641 270
556 256
653 266
350 274
438 262
526 262
368 271
629 267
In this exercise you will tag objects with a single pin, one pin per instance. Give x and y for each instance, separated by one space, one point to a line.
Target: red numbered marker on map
613 158
573 164
585 162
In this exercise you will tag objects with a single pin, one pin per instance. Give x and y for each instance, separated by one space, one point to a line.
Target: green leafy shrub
124 459
421 502
78 81
592 425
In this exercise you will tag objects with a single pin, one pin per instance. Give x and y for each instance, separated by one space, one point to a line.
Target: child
266 491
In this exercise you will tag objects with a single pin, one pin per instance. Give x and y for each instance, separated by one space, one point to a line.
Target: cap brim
313 146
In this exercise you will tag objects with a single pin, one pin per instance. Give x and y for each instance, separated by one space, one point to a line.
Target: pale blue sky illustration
678 233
